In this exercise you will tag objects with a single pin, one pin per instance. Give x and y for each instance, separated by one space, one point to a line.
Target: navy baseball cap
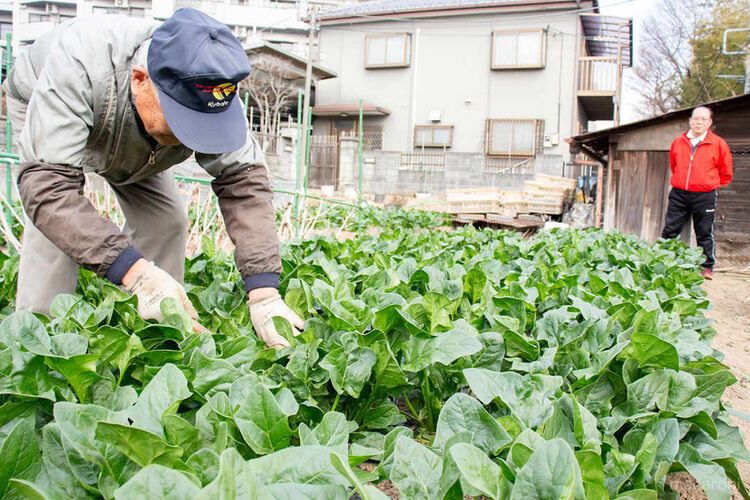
196 64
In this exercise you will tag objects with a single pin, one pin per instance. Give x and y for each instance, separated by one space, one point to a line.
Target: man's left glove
262 312
152 285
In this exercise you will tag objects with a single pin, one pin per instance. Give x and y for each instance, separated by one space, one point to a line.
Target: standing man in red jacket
701 163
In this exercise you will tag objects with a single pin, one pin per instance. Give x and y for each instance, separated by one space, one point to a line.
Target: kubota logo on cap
224 90
220 91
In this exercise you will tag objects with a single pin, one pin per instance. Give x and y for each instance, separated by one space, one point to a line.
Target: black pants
702 206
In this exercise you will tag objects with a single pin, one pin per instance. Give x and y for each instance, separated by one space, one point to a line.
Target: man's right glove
262 312
152 285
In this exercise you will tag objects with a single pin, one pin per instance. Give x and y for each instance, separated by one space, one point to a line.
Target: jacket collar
709 139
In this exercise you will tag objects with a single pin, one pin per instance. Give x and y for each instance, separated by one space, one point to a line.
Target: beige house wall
450 72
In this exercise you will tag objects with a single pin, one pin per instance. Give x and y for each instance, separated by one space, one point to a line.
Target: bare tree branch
272 89
664 56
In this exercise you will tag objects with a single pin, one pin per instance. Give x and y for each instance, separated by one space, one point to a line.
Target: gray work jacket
76 83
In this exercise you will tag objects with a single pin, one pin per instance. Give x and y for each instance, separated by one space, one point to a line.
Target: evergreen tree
703 81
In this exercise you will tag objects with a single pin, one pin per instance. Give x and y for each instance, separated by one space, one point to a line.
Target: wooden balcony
598 86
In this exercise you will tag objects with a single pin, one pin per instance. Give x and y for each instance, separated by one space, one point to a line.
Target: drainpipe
413 118
559 81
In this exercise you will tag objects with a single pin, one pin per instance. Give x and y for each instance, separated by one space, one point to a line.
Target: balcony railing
598 75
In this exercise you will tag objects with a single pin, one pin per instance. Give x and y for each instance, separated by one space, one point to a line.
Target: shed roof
297 62
598 141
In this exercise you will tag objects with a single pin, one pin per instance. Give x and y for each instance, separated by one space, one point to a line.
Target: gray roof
382 7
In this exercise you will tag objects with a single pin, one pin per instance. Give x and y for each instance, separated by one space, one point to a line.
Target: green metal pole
359 170
298 178
7 65
247 96
307 153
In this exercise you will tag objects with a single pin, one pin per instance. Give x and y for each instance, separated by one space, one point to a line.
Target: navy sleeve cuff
122 265
262 280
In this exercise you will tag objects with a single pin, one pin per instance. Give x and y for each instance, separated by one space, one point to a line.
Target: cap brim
211 133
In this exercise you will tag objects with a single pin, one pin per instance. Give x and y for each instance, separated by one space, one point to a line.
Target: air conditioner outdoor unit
52 8
240 31
121 3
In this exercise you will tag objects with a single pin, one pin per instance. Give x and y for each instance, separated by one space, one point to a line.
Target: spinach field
574 364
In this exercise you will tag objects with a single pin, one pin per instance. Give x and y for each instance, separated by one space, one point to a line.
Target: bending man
128 99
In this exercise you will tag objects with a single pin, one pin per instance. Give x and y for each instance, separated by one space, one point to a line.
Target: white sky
638 10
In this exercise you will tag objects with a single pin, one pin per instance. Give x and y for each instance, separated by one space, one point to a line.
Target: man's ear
138 78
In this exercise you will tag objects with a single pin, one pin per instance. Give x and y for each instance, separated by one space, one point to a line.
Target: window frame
118 10
433 144
542 49
406 61
39 17
538 145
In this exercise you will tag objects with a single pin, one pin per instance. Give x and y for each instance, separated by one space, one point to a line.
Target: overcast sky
638 10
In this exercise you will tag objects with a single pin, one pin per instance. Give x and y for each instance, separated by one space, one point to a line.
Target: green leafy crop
575 364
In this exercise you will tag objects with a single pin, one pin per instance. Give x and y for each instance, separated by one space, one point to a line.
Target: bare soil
729 294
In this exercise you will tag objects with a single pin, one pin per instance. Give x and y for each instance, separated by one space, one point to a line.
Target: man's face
149 109
700 121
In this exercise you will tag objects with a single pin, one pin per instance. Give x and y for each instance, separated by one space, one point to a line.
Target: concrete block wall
382 173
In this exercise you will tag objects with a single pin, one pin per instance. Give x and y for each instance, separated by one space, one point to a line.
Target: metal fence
509 165
422 161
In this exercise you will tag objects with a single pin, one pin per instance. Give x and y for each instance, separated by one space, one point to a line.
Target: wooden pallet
560 181
474 207
522 222
546 194
474 194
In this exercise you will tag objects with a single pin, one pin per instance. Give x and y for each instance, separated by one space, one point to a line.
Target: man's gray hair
710 113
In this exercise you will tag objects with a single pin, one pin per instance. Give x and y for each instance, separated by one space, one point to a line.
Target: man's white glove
262 312
152 285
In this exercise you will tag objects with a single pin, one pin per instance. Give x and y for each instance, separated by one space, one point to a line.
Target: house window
372 137
128 11
433 136
514 49
388 51
517 138
39 18
196 4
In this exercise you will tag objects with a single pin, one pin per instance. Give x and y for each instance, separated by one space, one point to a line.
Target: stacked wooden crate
546 194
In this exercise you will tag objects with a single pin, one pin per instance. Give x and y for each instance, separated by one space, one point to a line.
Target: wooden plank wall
733 210
641 193
732 228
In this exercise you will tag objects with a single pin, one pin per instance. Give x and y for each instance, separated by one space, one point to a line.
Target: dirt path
729 294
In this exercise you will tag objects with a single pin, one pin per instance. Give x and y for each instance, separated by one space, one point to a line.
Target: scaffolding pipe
308 132
7 65
359 151
298 177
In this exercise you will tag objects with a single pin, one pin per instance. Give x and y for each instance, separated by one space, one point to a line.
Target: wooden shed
635 181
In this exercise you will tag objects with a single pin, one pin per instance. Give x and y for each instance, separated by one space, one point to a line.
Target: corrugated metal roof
380 7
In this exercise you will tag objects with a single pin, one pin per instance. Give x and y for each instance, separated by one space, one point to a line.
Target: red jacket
707 169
